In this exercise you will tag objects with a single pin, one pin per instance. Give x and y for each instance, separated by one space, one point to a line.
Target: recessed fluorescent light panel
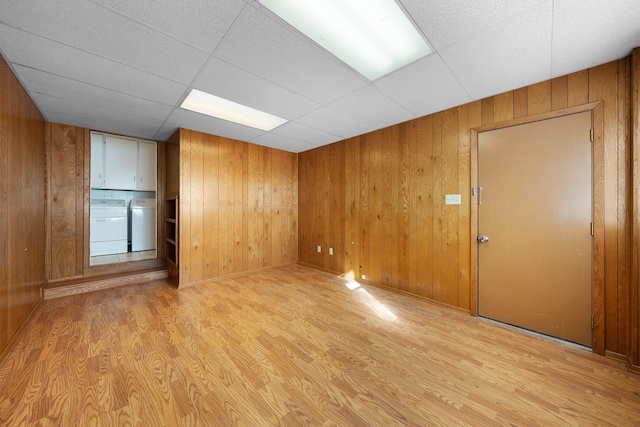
374 37
211 105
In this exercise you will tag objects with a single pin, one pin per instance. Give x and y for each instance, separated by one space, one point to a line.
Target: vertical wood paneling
450 213
520 103
376 214
438 196
603 86
539 98
425 214
197 206
502 107
238 207
578 88
407 238
559 93
22 207
211 214
225 205
185 206
469 118
634 292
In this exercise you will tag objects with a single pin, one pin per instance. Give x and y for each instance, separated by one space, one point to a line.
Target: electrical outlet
364 277
330 251
319 249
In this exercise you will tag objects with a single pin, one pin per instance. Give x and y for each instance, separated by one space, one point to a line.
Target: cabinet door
121 158
97 161
147 166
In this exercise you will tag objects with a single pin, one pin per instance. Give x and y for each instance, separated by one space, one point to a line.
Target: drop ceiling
125 66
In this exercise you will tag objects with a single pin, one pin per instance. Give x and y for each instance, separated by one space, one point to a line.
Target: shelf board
173 242
173 220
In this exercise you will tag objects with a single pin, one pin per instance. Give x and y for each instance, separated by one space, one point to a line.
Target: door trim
597 117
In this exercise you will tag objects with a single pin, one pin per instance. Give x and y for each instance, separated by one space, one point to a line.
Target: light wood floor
292 346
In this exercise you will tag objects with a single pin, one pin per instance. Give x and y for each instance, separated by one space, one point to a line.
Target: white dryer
108 227
143 224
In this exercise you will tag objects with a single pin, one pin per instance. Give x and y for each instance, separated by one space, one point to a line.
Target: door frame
597 117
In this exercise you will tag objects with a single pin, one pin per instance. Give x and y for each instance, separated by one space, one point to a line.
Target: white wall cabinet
123 163
97 160
120 163
147 167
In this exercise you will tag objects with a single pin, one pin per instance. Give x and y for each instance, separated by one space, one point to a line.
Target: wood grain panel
603 86
440 166
539 98
634 291
22 208
238 207
210 206
559 93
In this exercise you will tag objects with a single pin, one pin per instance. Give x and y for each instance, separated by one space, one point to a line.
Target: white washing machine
143 224
108 227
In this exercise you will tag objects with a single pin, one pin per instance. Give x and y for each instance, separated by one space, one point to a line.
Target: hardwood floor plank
295 346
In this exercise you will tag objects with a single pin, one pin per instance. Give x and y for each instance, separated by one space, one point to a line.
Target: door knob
483 239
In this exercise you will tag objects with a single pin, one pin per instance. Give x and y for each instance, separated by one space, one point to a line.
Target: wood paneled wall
238 207
67 225
22 207
635 208
378 199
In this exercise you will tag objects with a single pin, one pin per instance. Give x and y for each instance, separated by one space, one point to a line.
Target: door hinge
593 230
593 322
591 135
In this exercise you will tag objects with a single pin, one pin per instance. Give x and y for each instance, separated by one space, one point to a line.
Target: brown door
535 207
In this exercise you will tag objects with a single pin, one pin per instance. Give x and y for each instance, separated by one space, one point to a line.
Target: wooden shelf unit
171 227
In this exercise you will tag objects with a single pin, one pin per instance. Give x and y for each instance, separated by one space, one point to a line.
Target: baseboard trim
624 359
100 283
389 288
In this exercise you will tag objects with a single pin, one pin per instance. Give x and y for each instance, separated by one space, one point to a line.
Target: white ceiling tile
333 122
282 143
202 123
424 87
580 27
43 54
137 131
111 118
372 108
512 54
262 46
199 23
165 132
300 132
228 81
93 28
60 87
447 22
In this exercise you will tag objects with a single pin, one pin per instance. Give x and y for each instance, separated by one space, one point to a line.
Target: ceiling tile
228 81
424 87
577 49
512 54
202 123
199 23
300 132
60 87
84 115
262 46
92 28
137 131
333 122
447 22
372 108
36 52
282 143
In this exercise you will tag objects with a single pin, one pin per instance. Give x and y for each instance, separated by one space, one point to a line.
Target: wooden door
535 207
